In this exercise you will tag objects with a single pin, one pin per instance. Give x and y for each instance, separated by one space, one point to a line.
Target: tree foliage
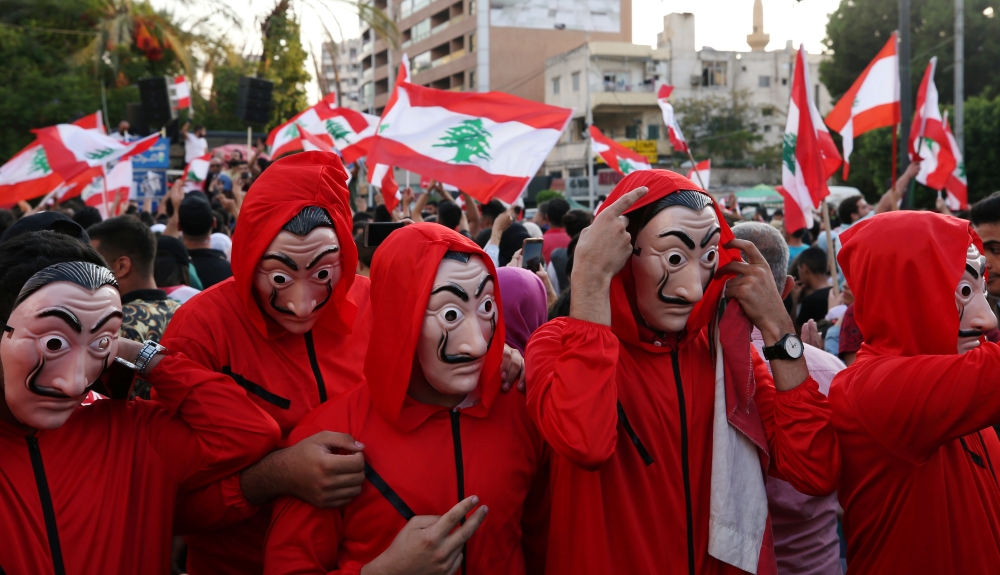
720 127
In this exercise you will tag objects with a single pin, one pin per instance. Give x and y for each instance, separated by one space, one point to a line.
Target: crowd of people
240 383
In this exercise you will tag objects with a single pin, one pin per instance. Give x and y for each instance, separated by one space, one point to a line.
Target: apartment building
344 63
443 39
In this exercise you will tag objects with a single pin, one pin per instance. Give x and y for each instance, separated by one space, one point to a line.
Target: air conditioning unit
695 80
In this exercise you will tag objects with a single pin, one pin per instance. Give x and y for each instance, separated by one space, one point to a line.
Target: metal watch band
149 350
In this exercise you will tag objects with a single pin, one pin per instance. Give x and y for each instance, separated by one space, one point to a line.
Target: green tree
720 127
283 62
469 140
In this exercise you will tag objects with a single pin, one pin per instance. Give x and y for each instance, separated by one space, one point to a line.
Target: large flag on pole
196 172
109 192
181 93
677 140
380 175
809 156
928 140
488 144
72 150
347 131
701 172
616 156
872 102
957 185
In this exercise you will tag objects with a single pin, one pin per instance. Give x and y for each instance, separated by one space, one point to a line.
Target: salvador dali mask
61 335
974 315
299 270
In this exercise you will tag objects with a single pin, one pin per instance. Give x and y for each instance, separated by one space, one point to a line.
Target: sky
800 21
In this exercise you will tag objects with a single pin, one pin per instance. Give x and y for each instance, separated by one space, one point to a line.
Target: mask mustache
970 333
455 359
286 311
33 388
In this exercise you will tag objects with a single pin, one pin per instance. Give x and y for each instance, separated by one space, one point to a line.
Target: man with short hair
853 209
555 236
122 134
195 144
804 526
510 238
985 216
814 277
450 216
196 220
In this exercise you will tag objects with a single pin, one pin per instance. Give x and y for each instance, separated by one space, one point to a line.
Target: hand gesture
515 260
503 222
427 545
810 334
754 288
512 369
318 472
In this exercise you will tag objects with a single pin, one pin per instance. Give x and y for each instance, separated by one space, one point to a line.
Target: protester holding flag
195 144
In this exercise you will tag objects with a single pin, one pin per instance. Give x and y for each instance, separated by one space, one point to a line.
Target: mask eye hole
675 259
280 279
966 290
451 314
709 256
55 343
104 343
323 274
487 306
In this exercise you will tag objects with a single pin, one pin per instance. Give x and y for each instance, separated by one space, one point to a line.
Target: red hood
402 275
903 268
624 310
282 191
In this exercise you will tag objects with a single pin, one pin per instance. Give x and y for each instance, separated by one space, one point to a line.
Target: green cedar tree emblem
98 154
469 141
961 169
292 131
337 131
788 151
40 162
382 127
626 166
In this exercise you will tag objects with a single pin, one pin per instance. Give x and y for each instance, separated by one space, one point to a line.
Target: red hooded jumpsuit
919 482
425 458
287 375
610 399
97 495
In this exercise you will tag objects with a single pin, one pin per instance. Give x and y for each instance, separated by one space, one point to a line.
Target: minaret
758 40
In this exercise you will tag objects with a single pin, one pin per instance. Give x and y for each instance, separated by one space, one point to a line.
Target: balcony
447 59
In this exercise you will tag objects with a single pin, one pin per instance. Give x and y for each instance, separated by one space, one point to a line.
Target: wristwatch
149 349
788 347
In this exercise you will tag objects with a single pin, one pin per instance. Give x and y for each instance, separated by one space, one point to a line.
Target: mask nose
470 338
69 374
300 301
978 315
688 283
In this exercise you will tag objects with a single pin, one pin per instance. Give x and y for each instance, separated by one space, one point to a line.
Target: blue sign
148 184
155 158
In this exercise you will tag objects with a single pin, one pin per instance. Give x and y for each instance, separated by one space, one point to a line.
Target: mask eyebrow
319 256
113 313
65 315
708 236
280 257
680 234
453 288
482 284
972 271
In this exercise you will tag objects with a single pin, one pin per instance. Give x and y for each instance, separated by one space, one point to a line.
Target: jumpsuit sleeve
572 394
801 439
203 425
304 540
913 405
215 506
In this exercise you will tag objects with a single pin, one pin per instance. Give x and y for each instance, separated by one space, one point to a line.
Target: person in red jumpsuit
90 486
914 412
291 327
662 420
439 435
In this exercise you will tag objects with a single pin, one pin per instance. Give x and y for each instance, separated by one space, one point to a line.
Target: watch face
793 347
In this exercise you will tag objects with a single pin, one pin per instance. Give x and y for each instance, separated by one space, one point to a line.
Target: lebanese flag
29 175
72 150
182 93
313 143
195 173
618 157
425 182
348 131
701 173
928 139
381 175
809 156
957 185
109 193
488 144
872 102
673 128
794 218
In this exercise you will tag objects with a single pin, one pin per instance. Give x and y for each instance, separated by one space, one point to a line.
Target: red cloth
224 329
114 470
411 445
919 490
850 336
612 513
553 239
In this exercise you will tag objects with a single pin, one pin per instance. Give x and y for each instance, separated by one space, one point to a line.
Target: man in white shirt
195 144
122 134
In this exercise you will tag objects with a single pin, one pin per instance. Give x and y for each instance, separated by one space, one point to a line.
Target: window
767 127
816 95
472 42
555 86
653 132
784 81
472 79
420 30
576 81
421 62
763 81
713 74
632 132
767 111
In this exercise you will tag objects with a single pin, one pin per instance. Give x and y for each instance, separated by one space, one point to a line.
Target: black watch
788 347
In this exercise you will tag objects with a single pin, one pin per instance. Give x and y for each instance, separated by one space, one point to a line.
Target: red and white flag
673 128
488 144
72 150
93 121
872 102
618 157
701 173
809 156
182 93
957 185
380 175
196 172
110 193
347 131
928 140
313 143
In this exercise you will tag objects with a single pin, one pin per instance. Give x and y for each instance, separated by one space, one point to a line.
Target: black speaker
253 103
136 120
156 106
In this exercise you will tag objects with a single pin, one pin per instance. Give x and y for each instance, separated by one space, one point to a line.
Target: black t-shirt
211 265
813 306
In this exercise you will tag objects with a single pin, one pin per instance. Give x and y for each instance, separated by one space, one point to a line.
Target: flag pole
249 138
895 153
832 257
694 166
104 192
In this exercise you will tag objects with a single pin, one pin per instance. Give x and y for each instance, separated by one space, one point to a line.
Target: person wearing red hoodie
292 327
913 412
439 435
89 486
662 420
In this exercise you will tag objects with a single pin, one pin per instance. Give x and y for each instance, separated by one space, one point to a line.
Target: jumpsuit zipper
682 408
311 352
48 512
456 437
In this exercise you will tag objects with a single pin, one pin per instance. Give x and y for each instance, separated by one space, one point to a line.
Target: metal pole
905 104
104 106
960 74
694 166
482 45
589 121
830 252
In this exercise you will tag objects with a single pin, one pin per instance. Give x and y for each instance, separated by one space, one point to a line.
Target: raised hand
427 545
512 369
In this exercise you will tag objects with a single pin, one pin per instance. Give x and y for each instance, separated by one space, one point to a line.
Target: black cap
172 248
52 221
195 215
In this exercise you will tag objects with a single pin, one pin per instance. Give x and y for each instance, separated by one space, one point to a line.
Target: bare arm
890 200
472 213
